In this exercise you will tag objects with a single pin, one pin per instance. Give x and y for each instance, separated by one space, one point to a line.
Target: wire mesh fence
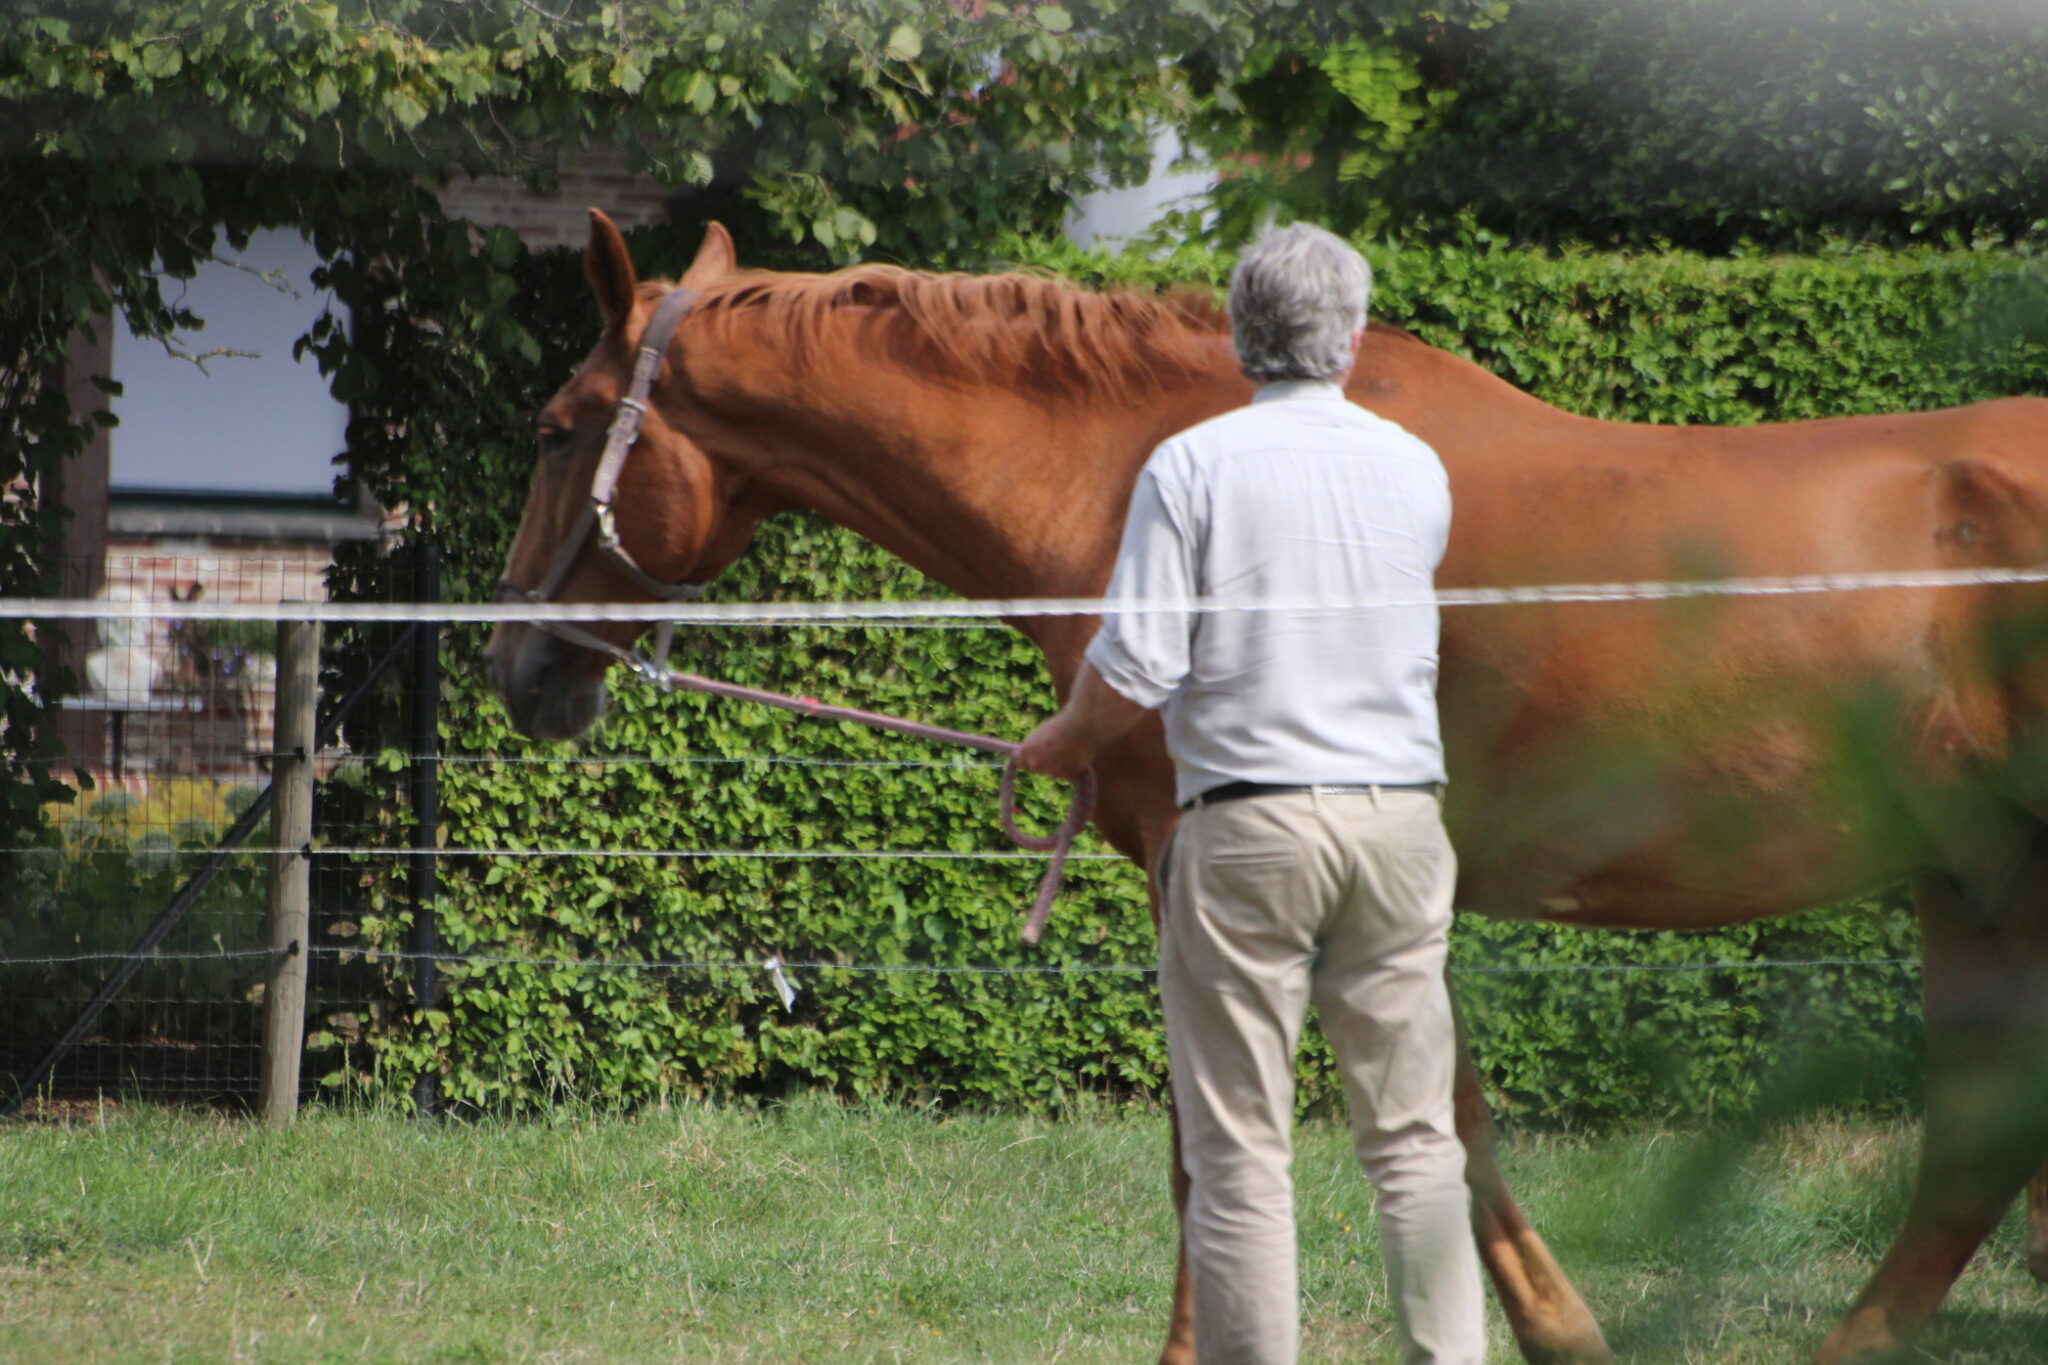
157 801
168 738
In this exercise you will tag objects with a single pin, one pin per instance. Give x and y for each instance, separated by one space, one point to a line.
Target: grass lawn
813 1232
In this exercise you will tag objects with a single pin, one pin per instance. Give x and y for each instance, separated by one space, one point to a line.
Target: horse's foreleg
1180 1332
1550 1321
1985 998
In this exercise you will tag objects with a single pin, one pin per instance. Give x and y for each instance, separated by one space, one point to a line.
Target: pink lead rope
1059 843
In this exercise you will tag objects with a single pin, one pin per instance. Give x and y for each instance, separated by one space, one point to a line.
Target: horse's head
673 508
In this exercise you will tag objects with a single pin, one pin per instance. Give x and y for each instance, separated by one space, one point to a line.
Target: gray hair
1296 296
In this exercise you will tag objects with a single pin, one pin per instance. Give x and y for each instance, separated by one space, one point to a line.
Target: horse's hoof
1586 1347
1864 1338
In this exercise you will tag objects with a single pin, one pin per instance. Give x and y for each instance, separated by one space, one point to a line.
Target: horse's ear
609 268
715 258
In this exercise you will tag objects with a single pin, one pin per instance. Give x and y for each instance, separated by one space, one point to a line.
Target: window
254 421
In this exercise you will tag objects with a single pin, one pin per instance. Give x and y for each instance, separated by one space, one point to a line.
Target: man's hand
1066 744
1054 750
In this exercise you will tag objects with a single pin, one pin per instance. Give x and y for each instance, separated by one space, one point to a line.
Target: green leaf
163 60
408 112
905 43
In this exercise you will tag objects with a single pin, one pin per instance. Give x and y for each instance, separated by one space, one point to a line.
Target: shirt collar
1300 391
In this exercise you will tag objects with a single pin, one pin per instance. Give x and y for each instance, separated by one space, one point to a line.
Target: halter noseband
597 509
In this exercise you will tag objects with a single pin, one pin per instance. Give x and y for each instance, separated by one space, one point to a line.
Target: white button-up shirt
1301 495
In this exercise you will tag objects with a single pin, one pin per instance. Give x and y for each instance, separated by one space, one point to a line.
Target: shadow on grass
1746 1242
1740 1318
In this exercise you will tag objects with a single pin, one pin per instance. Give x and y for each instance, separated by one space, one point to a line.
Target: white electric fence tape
906 613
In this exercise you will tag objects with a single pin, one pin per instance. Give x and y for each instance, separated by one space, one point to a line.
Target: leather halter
596 515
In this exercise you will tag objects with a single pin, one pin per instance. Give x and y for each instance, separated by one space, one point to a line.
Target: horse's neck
1002 491
993 491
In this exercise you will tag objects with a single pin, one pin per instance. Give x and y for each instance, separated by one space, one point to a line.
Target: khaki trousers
1343 899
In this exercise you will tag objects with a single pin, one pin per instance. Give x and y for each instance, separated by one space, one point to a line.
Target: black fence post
424 877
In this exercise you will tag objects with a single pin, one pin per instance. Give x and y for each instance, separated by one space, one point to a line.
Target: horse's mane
1018 326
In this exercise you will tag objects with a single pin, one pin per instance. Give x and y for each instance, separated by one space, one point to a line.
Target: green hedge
1664 338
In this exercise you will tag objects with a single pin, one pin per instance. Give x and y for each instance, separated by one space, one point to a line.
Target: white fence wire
864 615
900 615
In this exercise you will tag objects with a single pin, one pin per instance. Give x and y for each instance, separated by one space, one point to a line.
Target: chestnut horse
1635 765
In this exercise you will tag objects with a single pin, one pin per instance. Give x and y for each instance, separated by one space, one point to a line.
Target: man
1310 862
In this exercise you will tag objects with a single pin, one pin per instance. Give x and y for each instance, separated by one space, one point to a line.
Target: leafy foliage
106 870
1704 123
917 125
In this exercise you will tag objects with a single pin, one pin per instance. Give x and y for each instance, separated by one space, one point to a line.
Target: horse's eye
553 439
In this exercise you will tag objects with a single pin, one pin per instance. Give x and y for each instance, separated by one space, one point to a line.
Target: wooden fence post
291 824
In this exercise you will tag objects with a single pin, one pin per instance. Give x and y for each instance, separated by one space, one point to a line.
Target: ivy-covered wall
1569 1026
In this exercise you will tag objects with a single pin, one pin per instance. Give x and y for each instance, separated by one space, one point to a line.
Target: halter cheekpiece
596 515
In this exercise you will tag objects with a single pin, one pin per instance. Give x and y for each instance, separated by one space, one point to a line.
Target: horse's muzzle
547 684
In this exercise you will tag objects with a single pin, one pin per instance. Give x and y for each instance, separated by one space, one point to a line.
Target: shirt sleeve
1145 654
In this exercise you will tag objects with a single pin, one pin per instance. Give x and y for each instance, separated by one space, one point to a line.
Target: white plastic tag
773 966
